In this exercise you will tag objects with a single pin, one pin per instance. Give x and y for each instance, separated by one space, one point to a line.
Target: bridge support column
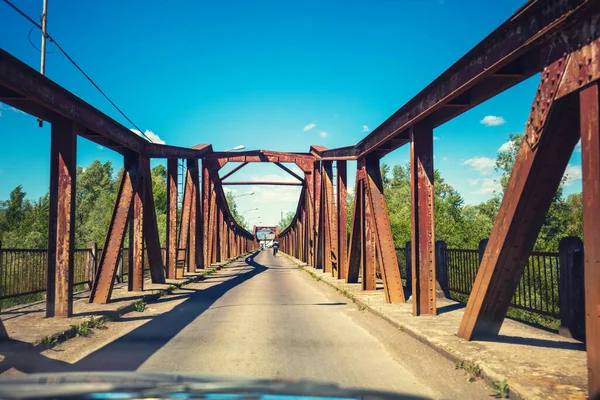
318 262
171 257
107 269
135 281
195 216
590 156
551 135
150 231
422 221
206 212
342 215
61 226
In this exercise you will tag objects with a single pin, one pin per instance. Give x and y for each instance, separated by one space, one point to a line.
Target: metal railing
538 289
23 271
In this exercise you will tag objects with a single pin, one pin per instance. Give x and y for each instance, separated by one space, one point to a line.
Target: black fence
23 272
537 291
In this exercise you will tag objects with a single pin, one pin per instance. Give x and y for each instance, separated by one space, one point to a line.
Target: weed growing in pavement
500 390
139 306
471 368
50 341
362 308
83 329
401 327
99 323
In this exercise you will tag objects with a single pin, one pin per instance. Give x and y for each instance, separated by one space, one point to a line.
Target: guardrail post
482 245
91 262
441 266
571 289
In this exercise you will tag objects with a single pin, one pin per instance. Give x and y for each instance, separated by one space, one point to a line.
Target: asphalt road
267 318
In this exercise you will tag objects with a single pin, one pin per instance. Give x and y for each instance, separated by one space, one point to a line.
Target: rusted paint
233 171
135 281
105 275
150 225
61 226
356 233
194 189
317 210
184 225
590 156
533 182
390 272
422 221
369 278
171 256
342 215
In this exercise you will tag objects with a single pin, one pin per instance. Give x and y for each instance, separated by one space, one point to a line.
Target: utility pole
43 60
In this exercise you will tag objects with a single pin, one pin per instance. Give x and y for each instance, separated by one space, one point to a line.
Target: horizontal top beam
509 55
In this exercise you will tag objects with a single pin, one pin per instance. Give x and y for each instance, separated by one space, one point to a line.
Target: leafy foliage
286 221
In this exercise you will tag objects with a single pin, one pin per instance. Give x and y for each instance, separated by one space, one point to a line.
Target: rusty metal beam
263 183
536 175
154 150
61 226
590 155
107 269
171 256
422 197
342 215
183 256
135 281
519 40
192 264
390 272
289 171
328 217
233 171
151 237
316 210
357 232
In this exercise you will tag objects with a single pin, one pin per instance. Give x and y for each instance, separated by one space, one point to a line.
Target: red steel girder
422 234
194 215
107 268
233 171
135 279
289 171
261 183
151 237
342 215
390 272
171 256
509 55
368 245
535 177
590 154
354 263
61 226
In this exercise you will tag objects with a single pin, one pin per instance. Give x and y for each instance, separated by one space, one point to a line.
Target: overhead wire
27 17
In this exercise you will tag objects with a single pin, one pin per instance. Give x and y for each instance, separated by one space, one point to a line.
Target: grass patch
500 390
139 306
401 327
362 308
475 372
83 329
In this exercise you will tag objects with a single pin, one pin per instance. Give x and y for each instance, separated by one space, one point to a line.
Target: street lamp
245 194
240 147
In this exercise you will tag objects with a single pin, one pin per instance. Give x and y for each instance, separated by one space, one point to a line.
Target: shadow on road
130 351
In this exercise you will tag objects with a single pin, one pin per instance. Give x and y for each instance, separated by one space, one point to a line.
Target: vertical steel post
317 213
192 248
355 252
61 223
590 163
342 216
135 280
422 220
171 257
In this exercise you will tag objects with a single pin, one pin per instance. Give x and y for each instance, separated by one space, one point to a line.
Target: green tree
285 221
239 218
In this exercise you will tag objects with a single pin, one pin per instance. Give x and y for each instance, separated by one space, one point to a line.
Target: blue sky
278 75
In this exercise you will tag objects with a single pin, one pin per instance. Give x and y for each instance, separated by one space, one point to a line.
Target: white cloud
323 134
508 146
492 120
4 107
473 182
483 165
285 177
149 135
445 158
100 147
365 128
309 126
573 174
436 138
578 147
488 186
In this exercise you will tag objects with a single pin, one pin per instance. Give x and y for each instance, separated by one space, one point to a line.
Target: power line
27 17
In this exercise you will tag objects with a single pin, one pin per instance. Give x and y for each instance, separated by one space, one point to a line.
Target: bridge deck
263 317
